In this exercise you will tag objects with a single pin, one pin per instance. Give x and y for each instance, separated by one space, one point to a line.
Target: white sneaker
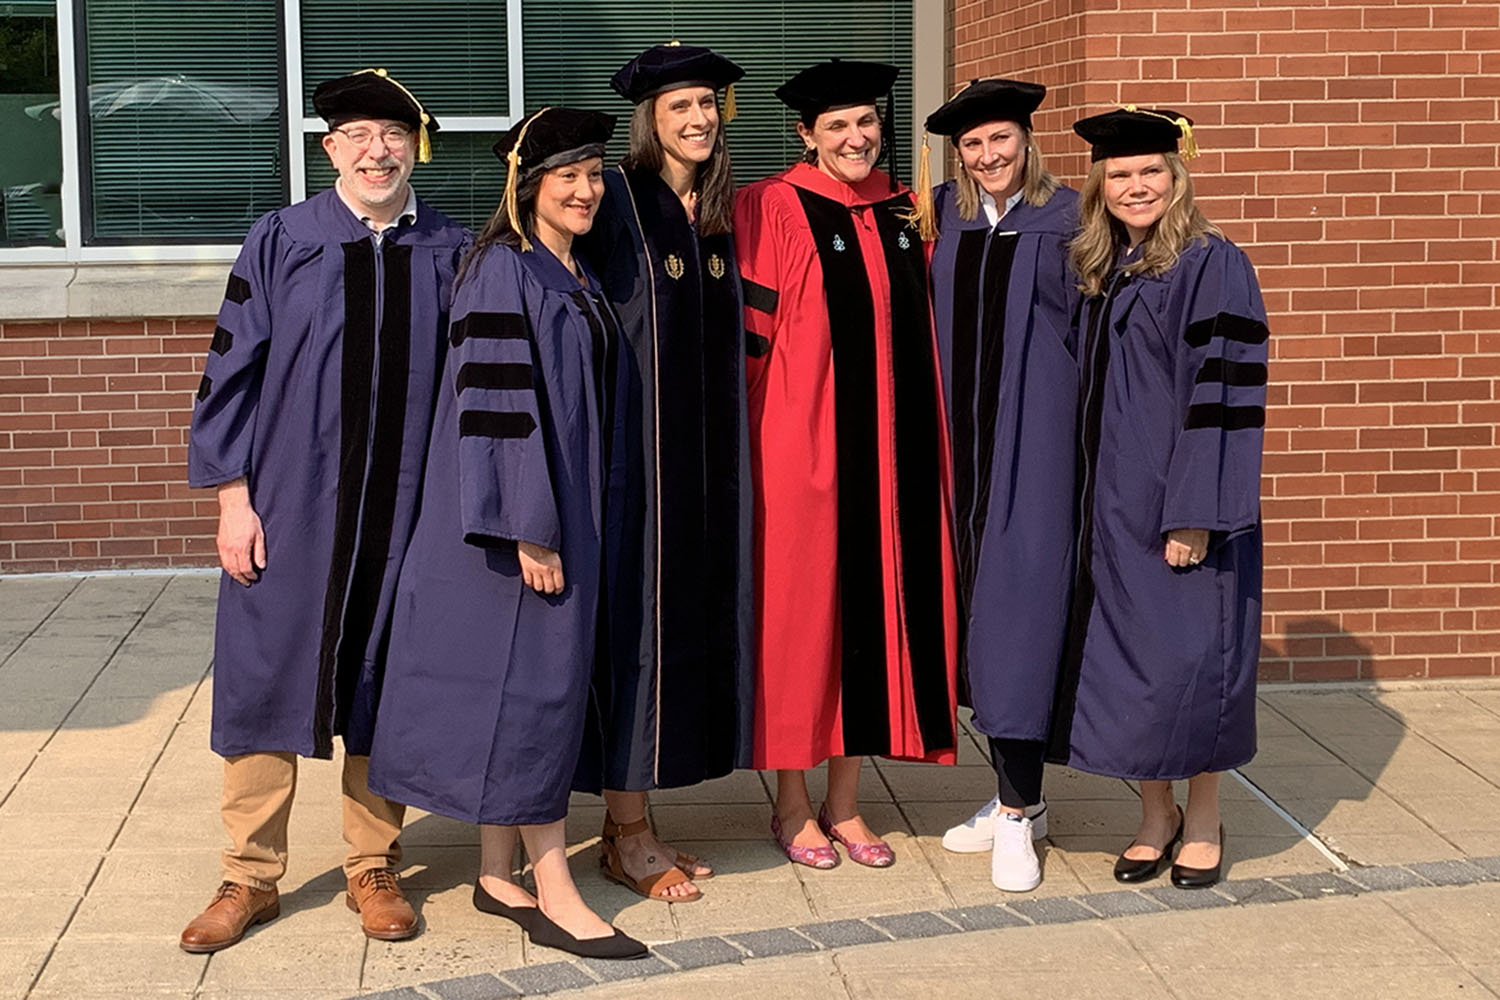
1013 863
977 833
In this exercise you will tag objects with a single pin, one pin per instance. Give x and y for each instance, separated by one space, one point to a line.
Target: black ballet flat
1131 870
1184 877
523 916
618 945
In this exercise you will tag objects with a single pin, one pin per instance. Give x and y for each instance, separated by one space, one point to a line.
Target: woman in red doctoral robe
855 605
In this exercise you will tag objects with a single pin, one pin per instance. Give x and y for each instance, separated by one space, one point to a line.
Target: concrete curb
734 949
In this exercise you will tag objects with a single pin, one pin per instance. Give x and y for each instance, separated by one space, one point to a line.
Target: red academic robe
854 569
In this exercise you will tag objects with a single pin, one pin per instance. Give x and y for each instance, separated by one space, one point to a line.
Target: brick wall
1350 148
93 446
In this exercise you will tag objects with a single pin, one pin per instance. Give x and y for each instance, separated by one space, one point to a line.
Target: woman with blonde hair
1004 299
1164 631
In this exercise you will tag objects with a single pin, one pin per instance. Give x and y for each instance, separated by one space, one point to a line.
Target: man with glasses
312 421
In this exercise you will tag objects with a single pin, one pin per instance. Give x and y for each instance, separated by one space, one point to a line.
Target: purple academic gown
487 679
677 692
319 388
1005 299
1159 670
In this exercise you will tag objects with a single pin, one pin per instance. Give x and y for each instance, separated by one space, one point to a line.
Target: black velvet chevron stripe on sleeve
484 423
222 342
489 326
758 296
1240 373
1229 418
238 290
1226 325
480 375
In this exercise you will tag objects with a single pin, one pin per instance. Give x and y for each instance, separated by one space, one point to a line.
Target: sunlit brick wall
1350 148
93 445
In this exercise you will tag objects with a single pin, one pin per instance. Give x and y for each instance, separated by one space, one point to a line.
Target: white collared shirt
992 210
408 213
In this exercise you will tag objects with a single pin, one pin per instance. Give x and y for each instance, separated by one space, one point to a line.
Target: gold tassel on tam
731 107
424 141
1189 148
924 216
513 179
1189 142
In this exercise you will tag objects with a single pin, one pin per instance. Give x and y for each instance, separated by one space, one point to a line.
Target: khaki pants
257 802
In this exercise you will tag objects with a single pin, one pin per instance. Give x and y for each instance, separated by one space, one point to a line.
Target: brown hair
714 180
1096 248
499 230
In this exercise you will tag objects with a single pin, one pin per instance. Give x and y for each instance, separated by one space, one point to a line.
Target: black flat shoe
524 916
618 945
1131 870
1184 877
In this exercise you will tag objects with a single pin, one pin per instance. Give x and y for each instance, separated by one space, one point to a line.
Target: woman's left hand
1186 547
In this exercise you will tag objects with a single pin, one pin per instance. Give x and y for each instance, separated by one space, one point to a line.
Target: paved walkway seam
832 935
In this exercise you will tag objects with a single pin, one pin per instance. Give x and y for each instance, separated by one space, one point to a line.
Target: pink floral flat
873 855
823 857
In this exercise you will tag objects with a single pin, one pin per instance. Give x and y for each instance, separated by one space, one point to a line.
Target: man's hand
242 542
541 568
1186 547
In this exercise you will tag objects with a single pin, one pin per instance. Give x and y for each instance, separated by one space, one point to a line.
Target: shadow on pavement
1321 750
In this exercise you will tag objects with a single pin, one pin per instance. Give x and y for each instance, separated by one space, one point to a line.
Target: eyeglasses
394 136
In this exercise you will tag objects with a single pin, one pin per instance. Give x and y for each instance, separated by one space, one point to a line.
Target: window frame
300 127
929 59
84 142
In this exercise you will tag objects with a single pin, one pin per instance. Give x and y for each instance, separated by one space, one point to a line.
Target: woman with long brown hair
673 694
1159 668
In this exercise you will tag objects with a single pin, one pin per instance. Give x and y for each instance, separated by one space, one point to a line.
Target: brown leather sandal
687 862
653 886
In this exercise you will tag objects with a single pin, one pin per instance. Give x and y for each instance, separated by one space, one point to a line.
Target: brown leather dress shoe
235 908
384 913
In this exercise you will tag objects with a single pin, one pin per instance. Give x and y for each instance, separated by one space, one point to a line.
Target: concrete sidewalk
1379 800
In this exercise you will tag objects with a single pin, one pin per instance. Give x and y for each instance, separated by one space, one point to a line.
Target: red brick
1397 667
1459 573
1461 666
1374 217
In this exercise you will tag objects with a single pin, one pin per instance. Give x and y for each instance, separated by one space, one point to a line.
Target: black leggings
1018 765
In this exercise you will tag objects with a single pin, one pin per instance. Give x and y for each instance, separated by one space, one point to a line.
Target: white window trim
291 48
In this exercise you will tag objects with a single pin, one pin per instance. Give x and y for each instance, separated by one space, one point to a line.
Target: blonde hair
1100 236
1037 185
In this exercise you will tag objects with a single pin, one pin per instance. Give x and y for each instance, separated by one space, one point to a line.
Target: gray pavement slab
108 824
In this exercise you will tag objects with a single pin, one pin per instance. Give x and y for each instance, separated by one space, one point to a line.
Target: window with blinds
182 120
463 181
450 53
573 48
31 157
